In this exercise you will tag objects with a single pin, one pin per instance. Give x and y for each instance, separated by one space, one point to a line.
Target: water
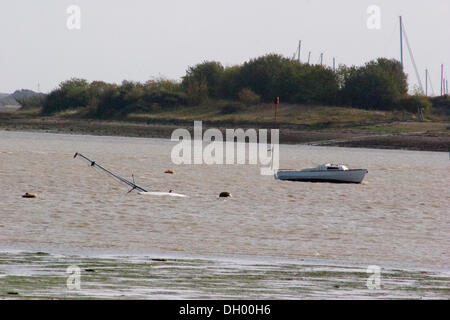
272 239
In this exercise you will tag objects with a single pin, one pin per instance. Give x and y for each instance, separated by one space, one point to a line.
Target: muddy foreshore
345 137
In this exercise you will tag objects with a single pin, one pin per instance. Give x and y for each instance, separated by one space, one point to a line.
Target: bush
248 97
316 85
230 83
35 101
379 84
441 104
107 100
72 93
196 92
110 99
413 103
163 93
209 73
231 108
165 99
273 76
264 76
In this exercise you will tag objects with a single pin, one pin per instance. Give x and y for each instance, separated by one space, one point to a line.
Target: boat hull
338 176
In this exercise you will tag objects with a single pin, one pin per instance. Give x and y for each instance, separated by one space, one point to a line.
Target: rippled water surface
398 220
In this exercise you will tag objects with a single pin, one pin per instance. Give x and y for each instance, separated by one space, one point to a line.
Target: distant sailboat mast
403 34
299 49
401 41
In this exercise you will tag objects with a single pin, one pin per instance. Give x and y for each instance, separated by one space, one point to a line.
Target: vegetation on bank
378 85
22 97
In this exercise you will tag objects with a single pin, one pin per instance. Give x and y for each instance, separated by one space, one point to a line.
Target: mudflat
409 135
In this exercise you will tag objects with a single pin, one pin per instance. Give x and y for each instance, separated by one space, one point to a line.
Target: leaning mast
94 164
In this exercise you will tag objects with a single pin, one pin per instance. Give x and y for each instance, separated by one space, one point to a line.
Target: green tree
230 83
263 75
378 84
208 72
107 100
273 75
316 85
197 92
72 93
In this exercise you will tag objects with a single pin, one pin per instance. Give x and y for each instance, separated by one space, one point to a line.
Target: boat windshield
325 167
329 166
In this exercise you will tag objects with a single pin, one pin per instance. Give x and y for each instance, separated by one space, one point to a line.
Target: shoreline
319 277
119 253
342 137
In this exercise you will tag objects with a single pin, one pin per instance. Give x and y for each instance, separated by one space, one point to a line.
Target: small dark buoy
29 195
225 194
169 171
170 191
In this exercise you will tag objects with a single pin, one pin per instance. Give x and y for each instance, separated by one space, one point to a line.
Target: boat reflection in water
323 173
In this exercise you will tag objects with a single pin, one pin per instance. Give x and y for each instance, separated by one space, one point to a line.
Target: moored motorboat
323 173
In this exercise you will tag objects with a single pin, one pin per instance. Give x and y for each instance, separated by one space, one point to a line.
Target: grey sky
137 40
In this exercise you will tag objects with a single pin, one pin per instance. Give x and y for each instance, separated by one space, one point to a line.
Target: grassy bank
311 117
318 125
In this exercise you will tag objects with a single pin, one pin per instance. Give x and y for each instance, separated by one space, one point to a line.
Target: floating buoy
29 195
225 195
169 171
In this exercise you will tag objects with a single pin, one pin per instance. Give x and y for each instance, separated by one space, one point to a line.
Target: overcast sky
137 40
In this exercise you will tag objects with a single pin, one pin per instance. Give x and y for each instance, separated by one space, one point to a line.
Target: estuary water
272 239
